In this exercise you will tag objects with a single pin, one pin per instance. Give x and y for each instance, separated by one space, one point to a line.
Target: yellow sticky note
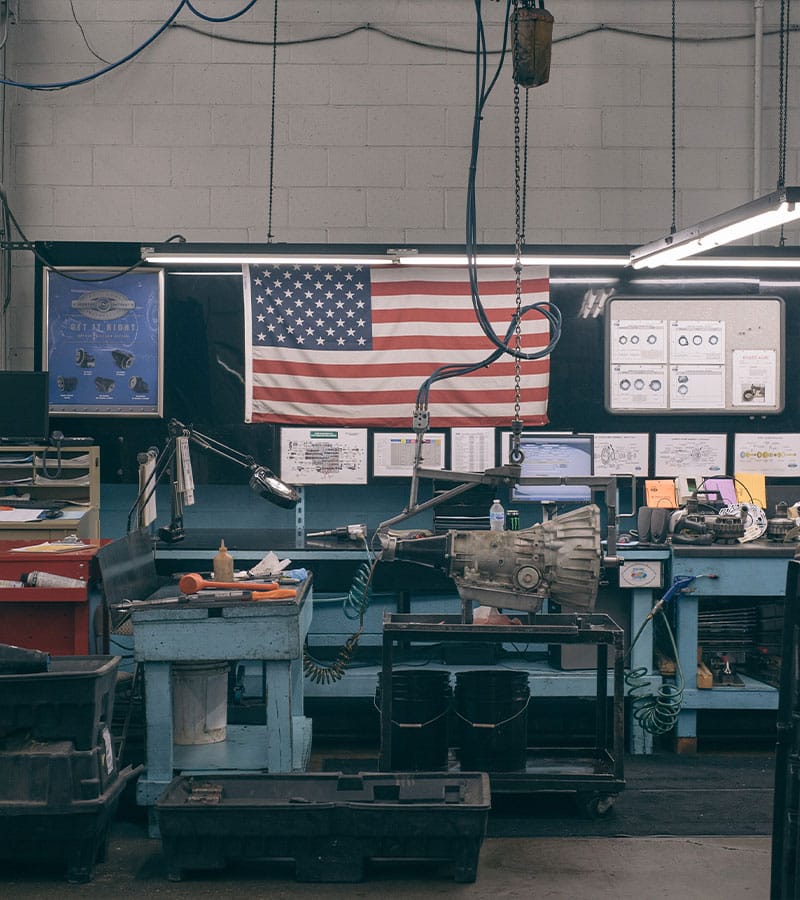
751 487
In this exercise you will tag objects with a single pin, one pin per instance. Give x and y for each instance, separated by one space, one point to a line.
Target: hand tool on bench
192 583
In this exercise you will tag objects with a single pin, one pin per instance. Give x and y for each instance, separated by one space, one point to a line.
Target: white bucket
199 702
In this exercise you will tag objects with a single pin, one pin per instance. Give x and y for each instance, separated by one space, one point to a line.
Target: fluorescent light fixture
527 259
240 257
775 209
216 255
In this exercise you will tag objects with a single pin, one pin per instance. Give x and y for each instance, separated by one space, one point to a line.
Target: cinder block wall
373 126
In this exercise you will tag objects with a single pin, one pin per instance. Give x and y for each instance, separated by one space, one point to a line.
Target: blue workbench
755 569
271 632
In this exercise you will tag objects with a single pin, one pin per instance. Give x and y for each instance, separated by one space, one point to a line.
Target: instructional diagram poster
769 454
690 454
324 455
712 354
104 341
621 454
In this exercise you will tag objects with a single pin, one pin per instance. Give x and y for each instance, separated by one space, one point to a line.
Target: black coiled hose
657 712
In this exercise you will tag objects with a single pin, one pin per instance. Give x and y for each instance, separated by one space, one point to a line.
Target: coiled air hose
355 605
658 712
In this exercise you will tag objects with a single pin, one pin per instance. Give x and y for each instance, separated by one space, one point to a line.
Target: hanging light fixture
771 211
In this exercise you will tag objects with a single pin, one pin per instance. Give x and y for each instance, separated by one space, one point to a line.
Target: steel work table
272 632
596 773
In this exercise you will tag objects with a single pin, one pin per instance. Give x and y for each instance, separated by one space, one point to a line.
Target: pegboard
684 355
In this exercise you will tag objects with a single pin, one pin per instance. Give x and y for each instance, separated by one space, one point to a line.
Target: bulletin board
686 355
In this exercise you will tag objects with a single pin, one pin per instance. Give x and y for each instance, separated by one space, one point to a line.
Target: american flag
344 344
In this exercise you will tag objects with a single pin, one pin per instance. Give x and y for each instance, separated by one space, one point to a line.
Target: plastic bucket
199 702
492 714
420 704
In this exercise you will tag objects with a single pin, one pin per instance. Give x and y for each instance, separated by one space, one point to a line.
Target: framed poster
104 341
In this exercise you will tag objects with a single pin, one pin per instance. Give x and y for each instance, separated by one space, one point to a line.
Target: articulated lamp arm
262 479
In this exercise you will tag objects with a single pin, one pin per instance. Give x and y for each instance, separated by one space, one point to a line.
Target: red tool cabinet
55 620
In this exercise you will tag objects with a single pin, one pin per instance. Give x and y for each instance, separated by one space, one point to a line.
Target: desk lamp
262 480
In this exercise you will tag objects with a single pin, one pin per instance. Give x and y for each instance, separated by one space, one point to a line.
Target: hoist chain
271 190
515 454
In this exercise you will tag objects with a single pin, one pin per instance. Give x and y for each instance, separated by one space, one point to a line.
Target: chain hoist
515 455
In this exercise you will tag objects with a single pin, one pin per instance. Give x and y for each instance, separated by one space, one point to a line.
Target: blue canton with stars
311 306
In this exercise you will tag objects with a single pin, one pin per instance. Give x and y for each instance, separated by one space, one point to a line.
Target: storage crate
75 834
329 824
72 701
54 773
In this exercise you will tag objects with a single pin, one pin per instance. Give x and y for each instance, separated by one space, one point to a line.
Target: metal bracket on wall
300 516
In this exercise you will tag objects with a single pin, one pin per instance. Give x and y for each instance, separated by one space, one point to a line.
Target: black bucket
492 712
420 703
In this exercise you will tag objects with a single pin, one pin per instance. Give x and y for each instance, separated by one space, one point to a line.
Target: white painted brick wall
372 134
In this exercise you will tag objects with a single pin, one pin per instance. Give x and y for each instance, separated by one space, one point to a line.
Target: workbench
407 588
756 569
271 632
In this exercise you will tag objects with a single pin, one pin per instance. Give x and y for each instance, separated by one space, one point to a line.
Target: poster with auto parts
103 340
679 355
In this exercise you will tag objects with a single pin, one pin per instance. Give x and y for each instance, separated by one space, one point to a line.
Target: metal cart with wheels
594 772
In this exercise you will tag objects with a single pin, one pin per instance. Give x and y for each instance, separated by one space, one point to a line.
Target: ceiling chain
272 123
520 189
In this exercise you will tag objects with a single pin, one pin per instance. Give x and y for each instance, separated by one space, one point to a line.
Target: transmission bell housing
559 559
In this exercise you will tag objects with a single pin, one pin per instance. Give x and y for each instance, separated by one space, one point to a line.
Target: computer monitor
24 408
555 456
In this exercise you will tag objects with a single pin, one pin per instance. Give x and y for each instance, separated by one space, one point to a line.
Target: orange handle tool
192 583
279 594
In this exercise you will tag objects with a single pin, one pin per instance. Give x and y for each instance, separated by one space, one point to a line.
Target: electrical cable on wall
347 32
60 85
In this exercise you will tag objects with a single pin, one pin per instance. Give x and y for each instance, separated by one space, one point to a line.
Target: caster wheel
595 806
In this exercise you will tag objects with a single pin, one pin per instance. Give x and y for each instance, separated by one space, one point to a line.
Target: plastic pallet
329 824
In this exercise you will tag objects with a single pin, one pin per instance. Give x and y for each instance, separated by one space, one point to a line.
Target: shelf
79 485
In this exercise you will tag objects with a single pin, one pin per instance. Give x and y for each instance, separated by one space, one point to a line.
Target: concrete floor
689 868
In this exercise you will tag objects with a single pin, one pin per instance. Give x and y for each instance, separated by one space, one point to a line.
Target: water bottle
497 516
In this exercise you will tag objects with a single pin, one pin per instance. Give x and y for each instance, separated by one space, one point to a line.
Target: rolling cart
596 772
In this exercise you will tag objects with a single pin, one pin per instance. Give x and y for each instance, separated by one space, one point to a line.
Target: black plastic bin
54 773
420 706
73 833
329 824
72 701
492 714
